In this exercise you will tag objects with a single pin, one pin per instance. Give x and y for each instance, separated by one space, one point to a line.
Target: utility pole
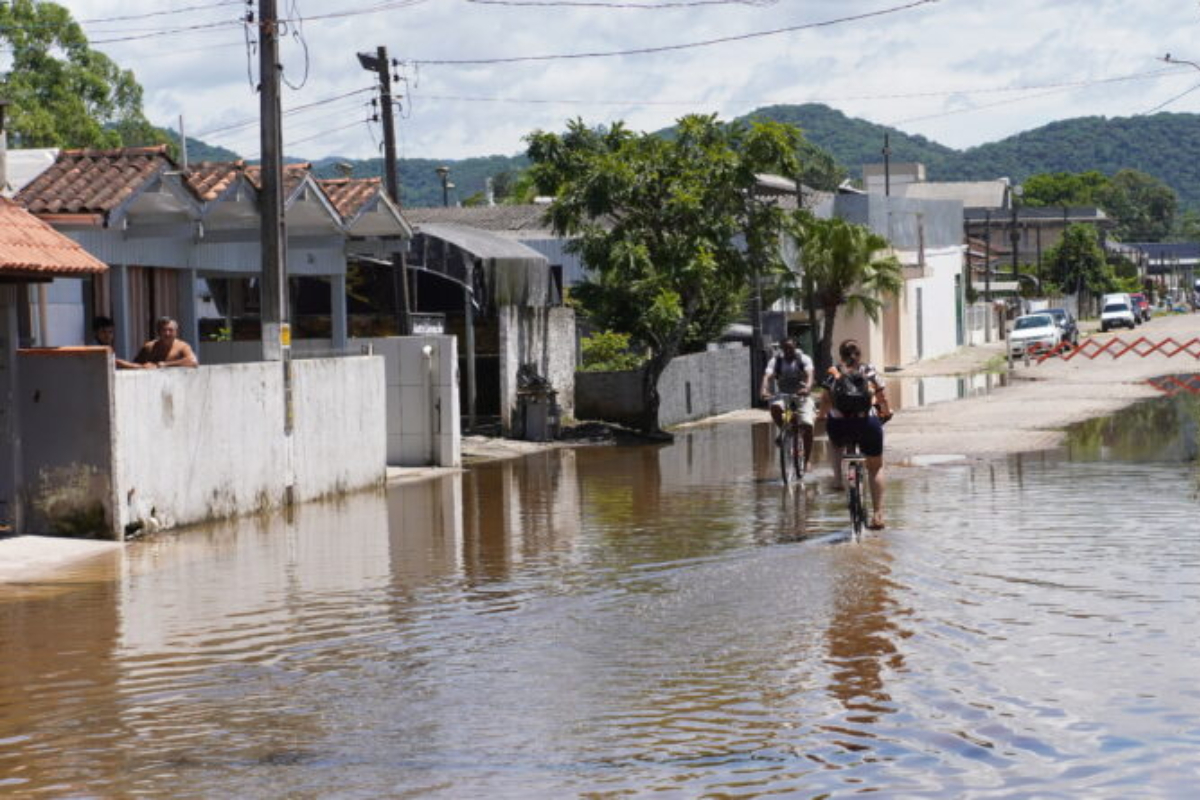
273 283
887 165
380 65
276 333
1014 236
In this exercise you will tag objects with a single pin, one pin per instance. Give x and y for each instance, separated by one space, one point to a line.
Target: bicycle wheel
787 439
797 452
858 511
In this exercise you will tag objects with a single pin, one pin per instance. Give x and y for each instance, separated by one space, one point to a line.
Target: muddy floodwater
620 621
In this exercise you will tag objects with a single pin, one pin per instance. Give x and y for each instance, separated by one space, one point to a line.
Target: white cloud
954 49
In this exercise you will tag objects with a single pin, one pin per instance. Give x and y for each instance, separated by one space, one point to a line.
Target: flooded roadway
611 621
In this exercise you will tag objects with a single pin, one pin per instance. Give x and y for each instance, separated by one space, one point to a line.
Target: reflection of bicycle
791 443
854 471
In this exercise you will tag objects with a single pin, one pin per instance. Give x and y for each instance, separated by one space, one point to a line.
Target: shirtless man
168 350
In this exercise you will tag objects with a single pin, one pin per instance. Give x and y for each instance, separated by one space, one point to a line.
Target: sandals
875 525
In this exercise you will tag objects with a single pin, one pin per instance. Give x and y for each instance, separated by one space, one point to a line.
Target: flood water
617 621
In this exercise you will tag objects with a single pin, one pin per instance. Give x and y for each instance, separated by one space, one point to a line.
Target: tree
1077 262
844 266
63 93
1065 189
671 230
1143 206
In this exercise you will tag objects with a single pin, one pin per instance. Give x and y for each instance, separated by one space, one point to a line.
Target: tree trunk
824 357
651 372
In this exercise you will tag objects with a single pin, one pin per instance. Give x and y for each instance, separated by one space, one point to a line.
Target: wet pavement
615 620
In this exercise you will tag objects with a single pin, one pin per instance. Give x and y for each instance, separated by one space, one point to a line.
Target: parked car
1034 333
1141 306
1120 297
1067 324
1117 314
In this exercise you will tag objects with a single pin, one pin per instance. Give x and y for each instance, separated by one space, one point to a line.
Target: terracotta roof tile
349 195
92 181
209 179
293 174
30 246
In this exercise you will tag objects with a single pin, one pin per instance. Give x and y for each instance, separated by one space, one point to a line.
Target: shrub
608 351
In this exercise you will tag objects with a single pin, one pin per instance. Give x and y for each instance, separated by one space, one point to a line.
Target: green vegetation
670 228
1077 262
843 265
609 351
62 92
1143 206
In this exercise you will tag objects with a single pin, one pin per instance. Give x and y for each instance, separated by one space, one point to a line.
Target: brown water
614 621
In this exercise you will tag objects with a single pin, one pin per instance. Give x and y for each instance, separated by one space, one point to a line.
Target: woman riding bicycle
854 407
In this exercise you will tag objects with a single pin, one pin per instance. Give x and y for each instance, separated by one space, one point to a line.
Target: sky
959 72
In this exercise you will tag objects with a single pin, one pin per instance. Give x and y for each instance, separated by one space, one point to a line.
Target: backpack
851 393
779 367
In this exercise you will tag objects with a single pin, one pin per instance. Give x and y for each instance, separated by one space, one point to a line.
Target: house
1172 266
186 244
31 253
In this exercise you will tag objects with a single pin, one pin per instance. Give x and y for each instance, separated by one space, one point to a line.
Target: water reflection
611 621
917 392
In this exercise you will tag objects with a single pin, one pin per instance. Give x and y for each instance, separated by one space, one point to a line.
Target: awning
514 274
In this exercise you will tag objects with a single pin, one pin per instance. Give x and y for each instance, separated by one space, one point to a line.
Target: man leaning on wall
167 350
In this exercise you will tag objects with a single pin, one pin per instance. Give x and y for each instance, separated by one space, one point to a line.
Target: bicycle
855 472
790 442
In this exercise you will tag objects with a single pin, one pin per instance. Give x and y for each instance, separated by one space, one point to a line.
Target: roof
1038 214
972 194
515 274
349 195
209 179
293 176
30 247
24 165
93 181
1167 250
525 217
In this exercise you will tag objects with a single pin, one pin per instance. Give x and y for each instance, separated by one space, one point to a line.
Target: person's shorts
808 409
866 432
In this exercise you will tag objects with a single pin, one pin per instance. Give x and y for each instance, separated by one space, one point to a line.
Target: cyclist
854 407
792 373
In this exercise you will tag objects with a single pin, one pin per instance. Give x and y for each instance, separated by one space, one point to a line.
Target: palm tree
843 266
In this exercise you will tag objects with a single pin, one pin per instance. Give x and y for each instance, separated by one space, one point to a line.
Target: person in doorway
105 334
167 350
854 407
791 372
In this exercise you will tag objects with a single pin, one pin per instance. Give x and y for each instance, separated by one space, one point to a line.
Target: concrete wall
423 409
692 387
937 331
193 445
66 471
544 337
10 461
242 352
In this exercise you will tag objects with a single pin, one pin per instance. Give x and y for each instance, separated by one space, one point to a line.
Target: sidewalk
31 558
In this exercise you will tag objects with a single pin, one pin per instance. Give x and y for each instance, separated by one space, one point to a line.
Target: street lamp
444 173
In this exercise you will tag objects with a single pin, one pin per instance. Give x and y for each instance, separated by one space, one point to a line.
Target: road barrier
1117 347
1172 385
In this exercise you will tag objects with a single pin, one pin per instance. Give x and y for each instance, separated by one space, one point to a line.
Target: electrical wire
164 12
287 112
1163 105
816 99
674 47
296 28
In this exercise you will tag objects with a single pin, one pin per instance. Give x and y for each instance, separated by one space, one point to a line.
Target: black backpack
851 393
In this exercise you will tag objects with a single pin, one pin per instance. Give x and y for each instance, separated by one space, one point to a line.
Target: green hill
1166 146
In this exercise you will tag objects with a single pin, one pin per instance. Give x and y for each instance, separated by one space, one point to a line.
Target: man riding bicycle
791 372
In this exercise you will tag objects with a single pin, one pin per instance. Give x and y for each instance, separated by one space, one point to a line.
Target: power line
165 12
287 112
816 99
674 47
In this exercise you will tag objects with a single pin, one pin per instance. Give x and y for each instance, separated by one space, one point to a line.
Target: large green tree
1142 205
672 230
1077 263
62 92
845 265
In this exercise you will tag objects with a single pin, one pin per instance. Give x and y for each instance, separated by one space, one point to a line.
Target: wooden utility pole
381 66
273 283
273 295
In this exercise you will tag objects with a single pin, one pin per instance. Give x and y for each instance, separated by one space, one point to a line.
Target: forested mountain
1166 146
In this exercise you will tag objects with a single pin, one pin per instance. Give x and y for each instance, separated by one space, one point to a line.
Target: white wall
545 337
423 408
194 445
938 306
